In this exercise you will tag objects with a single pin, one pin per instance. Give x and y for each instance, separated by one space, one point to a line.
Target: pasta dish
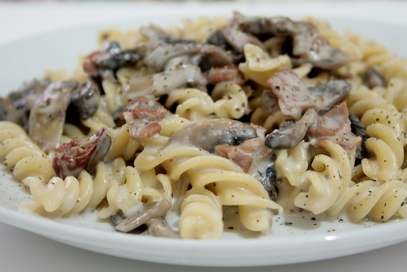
263 115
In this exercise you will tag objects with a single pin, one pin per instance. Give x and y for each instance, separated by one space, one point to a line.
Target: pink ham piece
75 156
335 125
143 114
292 94
221 74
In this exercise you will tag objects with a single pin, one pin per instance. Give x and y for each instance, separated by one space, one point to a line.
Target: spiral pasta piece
230 100
329 179
378 201
385 130
193 104
259 67
225 179
70 195
21 155
261 117
122 144
291 166
127 197
337 40
201 215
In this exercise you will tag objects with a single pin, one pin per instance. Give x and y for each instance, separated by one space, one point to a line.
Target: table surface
23 251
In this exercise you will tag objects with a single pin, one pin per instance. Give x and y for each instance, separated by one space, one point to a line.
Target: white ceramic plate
295 238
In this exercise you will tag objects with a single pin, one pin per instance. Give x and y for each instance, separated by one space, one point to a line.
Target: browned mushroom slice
85 99
76 156
149 211
214 56
308 45
329 94
359 129
17 105
48 113
105 61
9 113
25 96
209 133
165 52
163 83
291 133
372 78
234 35
157 227
217 38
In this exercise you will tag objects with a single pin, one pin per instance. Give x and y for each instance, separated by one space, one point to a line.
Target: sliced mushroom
308 45
24 97
165 52
76 156
291 133
48 113
214 56
372 78
331 93
217 38
85 99
17 105
9 113
157 227
209 133
236 37
149 211
107 60
359 129
268 179
163 83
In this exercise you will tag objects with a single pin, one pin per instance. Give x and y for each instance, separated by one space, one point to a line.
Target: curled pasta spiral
329 179
193 103
291 165
70 195
337 40
22 156
201 215
268 121
385 130
370 198
228 100
120 185
224 178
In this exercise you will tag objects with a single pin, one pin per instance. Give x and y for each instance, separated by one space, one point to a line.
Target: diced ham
220 74
336 126
245 154
75 156
293 95
143 114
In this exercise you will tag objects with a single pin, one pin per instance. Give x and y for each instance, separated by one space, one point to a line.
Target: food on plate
268 115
